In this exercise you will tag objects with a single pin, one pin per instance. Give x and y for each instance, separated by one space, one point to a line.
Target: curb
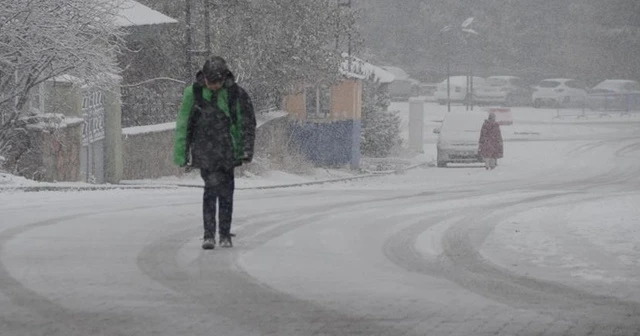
84 188
125 186
312 183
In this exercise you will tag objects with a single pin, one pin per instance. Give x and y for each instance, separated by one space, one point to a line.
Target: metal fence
149 103
93 134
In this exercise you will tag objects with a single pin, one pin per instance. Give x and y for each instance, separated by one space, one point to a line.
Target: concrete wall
148 153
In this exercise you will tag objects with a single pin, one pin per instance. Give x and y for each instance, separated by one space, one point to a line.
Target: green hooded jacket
199 145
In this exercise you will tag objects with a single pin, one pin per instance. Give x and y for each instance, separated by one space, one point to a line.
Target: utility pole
187 39
349 35
347 4
445 42
207 26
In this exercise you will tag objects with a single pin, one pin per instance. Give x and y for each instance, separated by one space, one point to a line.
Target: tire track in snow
462 264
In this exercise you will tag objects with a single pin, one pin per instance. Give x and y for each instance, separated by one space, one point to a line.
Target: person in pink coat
491 148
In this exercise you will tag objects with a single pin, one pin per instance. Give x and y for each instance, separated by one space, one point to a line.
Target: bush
380 127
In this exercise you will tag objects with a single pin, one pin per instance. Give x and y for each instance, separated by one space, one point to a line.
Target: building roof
133 13
364 70
399 73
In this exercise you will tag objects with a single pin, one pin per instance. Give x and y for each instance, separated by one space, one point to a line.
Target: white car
459 137
559 92
504 90
458 89
614 95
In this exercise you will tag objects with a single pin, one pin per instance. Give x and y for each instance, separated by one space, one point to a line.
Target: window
574 84
549 84
318 101
494 81
632 86
516 82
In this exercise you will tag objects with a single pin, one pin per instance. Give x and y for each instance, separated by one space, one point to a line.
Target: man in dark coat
491 147
215 133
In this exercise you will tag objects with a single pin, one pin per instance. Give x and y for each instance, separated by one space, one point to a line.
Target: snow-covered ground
547 244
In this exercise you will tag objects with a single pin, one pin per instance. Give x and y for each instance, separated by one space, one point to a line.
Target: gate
93 136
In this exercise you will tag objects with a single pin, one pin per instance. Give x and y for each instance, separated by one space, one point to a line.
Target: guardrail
604 105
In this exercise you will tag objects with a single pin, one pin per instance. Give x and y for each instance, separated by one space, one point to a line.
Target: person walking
491 146
215 132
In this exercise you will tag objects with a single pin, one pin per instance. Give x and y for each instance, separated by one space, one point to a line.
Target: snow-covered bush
380 127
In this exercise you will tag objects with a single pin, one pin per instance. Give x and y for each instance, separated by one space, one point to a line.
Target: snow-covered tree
272 45
43 39
380 127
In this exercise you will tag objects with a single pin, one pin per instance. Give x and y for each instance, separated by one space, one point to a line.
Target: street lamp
468 32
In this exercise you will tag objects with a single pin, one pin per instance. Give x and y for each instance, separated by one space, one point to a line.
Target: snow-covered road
548 244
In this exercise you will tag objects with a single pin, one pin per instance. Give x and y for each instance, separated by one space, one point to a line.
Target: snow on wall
148 129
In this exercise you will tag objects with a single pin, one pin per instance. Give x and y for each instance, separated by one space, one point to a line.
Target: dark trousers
218 191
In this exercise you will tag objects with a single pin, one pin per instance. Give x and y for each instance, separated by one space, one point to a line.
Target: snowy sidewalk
271 180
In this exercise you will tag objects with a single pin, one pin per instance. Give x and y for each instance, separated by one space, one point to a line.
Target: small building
327 127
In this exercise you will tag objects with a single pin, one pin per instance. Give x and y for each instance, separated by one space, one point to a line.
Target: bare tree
43 39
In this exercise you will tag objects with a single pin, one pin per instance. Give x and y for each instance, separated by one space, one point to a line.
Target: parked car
614 94
559 92
458 89
504 90
459 137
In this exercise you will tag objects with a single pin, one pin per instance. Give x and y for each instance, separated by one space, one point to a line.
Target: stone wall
51 149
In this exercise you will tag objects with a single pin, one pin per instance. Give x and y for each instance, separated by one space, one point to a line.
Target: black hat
215 69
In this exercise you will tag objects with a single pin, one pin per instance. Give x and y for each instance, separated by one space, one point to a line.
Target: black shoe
225 240
209 244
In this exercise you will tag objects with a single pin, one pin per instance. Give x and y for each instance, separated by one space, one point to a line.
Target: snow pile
50 120
8 180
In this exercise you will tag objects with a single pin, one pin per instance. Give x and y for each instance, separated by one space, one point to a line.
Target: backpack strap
198 86
234 94
197 95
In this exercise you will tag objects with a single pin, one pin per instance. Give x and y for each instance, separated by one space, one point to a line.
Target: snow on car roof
562 80
464 120
463 79
503 77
